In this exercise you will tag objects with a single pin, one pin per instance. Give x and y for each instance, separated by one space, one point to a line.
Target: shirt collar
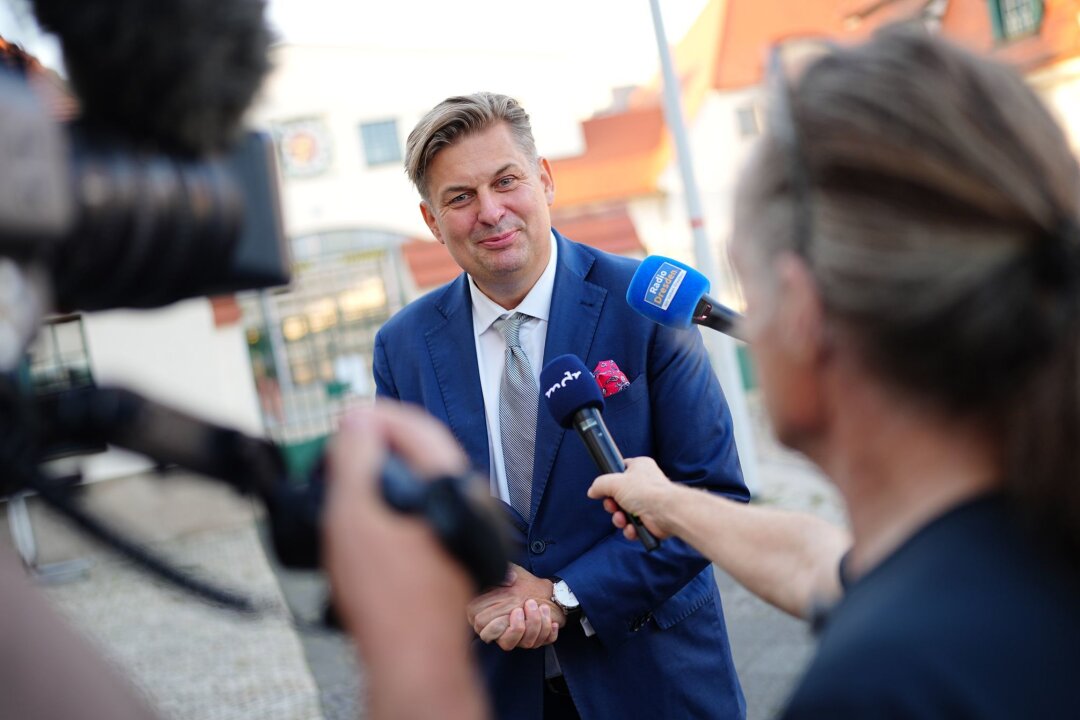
536 304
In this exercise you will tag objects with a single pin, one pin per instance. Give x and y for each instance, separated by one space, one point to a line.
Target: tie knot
510 328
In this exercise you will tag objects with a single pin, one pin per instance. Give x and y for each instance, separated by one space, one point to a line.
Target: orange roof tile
751 26
626 152
623 156
608 228
429 263
725 49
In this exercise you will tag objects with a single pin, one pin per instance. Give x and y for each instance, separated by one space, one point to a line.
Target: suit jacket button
538 546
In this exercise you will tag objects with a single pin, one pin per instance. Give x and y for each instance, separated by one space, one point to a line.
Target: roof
624 155
749 27
626 151
60 103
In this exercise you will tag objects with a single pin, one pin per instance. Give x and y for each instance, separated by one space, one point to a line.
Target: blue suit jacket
661 648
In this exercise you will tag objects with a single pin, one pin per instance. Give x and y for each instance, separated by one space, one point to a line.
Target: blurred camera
116 227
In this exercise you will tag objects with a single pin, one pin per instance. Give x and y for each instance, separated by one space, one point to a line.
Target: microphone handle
589 424
719 317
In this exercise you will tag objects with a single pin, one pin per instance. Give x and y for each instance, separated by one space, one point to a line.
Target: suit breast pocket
627 416
626 397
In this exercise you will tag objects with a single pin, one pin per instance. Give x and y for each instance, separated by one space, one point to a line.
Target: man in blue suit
587 624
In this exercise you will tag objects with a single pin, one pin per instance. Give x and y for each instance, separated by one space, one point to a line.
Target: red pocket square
610 378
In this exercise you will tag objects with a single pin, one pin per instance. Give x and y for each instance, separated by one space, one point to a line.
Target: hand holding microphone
676 295
640 491
575 401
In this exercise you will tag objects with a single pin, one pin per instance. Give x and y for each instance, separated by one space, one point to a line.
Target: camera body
112 226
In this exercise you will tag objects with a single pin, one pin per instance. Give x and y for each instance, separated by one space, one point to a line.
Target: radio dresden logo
665 283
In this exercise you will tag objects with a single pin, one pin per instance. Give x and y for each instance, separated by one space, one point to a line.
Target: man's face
489 204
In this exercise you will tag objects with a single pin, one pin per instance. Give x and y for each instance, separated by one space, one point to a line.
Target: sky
615 39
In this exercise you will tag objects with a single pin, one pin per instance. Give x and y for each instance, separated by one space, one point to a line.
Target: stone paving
196 662
191 660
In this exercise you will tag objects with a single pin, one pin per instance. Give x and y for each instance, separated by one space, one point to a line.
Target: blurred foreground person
907 238
399 593
49 672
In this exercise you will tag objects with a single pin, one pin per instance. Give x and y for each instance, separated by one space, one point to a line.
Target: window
749 120
304 147
381 145
58 362
312 344
58 359
1015 18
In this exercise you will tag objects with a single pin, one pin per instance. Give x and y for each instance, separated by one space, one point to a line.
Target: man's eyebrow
463 188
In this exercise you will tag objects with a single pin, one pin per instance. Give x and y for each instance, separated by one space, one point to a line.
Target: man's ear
801 309
548 180
431 220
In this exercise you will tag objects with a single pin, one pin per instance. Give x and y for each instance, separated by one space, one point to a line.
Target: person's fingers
533 624
494 629
546 635
603 486
476 607
610 505
354 454
493 609
422 441
510 639
619 519
490 601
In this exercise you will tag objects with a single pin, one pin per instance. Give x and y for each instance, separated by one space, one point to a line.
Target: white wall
1059 87
718 153
176 356
346 86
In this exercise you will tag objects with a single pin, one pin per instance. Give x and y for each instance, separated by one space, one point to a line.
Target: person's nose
492 209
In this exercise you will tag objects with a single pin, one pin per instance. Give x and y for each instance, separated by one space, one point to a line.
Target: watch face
564 596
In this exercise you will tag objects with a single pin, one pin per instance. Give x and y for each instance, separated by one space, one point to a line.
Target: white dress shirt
491 354
490 360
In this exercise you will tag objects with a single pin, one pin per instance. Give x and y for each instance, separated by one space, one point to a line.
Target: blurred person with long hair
906 233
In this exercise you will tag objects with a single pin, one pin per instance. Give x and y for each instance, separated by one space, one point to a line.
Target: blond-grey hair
458 117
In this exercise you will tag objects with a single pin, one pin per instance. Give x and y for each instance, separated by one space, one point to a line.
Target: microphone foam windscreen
167 75
666 291
567 386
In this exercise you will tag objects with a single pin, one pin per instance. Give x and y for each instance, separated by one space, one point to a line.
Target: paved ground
200 663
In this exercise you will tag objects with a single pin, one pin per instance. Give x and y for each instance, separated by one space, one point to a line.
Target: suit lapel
575 311
453 356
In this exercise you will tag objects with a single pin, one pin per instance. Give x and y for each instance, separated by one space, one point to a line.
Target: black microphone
574 399
673 294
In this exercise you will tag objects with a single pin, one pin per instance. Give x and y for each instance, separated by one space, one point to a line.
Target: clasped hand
518 613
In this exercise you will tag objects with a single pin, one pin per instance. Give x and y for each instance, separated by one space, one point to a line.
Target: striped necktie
518 402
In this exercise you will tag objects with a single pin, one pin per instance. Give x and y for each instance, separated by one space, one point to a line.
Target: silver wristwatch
564 597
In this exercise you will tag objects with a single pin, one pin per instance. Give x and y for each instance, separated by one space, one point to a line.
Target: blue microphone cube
666 291
567 386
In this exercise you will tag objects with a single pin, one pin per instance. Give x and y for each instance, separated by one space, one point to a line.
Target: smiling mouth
499 241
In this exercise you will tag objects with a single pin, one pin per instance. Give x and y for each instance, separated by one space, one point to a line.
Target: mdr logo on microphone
665 283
